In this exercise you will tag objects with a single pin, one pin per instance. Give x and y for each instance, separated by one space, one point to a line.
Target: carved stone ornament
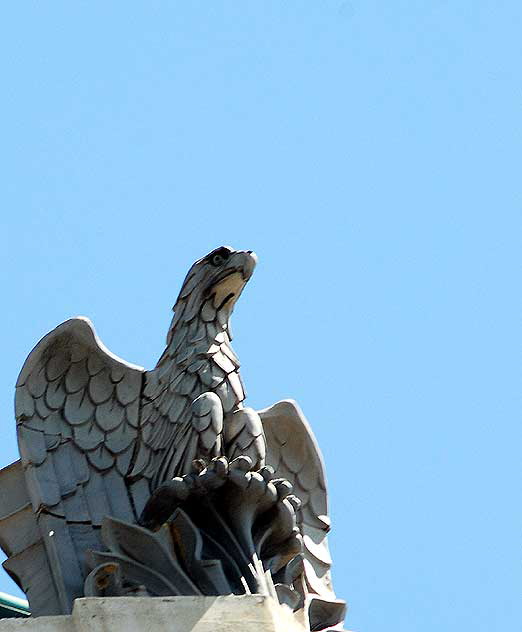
162 482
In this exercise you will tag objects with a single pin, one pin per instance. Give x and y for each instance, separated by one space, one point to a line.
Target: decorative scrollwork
223 529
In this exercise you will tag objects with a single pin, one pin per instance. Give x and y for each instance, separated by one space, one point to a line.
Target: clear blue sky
370 153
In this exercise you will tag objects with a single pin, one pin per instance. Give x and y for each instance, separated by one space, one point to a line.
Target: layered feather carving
77 410
293 452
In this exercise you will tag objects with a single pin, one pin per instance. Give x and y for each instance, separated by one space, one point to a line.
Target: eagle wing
78 410
293 452
177 427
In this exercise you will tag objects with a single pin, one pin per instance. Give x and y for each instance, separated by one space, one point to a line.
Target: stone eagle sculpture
100 437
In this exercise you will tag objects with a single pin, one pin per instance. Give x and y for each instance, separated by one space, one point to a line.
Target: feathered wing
177 426
78 411
293 452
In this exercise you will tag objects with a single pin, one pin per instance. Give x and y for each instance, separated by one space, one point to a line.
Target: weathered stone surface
246 613
60 623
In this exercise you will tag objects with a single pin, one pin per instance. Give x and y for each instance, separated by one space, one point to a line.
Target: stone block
247 613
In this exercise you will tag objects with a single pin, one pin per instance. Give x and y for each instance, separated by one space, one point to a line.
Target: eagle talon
219 465
283 487
294 501
242 463
267 472
198 466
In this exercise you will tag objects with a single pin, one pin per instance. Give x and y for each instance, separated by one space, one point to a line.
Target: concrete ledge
244 613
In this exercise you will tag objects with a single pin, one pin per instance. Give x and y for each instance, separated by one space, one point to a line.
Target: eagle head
219 277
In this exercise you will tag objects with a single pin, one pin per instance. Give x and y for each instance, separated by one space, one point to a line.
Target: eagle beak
228 287
249 265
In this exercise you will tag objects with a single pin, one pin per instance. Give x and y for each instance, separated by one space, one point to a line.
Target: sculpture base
248 613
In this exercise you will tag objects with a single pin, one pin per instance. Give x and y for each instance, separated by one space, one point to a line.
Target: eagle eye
219 257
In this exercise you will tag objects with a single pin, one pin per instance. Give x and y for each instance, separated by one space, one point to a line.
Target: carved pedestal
244 613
